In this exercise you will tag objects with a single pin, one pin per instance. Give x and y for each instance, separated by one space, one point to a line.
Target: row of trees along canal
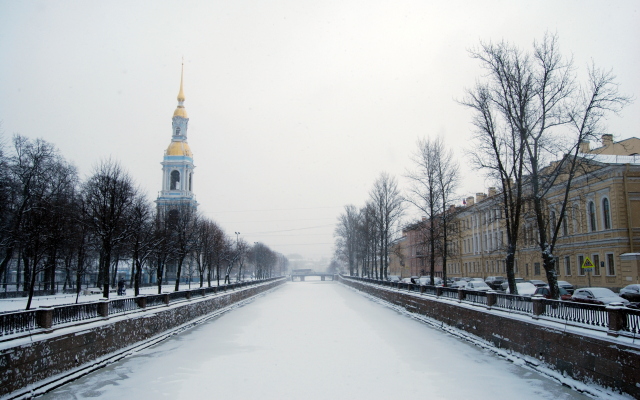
530 114
51 221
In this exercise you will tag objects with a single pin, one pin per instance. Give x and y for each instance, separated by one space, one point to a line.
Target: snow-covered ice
314 340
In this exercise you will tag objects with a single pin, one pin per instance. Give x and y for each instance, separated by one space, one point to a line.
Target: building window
565 227
580 262
177 130
596 264
175 178
552 222
606 214
591 211
611 268
536 268
567 266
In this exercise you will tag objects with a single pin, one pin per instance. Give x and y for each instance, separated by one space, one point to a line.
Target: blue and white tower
177 165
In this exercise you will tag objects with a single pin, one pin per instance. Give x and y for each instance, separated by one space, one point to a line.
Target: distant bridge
302 273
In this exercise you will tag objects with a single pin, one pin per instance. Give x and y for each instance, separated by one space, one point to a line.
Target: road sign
587 264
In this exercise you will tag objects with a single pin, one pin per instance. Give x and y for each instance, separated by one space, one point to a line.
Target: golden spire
180 110
181 94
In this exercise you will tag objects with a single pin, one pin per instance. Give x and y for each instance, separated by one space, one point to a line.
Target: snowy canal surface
313 340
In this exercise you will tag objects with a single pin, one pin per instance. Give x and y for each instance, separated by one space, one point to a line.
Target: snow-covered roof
614 159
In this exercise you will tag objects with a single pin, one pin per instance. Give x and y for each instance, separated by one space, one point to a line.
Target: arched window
177 130
606 214
552 222
190 182
591 210
175 179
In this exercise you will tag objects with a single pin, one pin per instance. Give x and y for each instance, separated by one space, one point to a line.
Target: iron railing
475 297
74 312
577 313
512 302
17 322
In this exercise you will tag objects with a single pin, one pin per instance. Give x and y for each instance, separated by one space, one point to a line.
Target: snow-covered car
546 292
494 281
393 278
477 286
631 292
567 286
476 279
538 282
597 295
461 284
426 280
505 284
406 280
525 289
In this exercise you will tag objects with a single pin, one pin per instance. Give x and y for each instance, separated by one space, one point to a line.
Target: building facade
602 223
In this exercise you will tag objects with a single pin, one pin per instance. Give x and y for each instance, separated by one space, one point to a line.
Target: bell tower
177 164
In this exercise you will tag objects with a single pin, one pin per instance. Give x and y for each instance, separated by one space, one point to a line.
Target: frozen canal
313 340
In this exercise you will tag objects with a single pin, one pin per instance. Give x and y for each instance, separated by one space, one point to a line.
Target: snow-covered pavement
314 340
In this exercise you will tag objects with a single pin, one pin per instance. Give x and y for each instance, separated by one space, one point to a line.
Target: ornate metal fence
122 305
633 322
450 293
580 313
16 322
475 297
155 300
514 303
74 312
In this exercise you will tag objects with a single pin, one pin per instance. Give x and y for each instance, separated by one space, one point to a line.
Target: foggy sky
295 107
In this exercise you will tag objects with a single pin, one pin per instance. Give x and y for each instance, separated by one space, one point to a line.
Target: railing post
103 308
188 295
141 300
422 288
617 318
491 298
44 317
166 298
461 295
438 291
537 306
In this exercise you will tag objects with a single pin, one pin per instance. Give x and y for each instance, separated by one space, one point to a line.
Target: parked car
407 280
505 284
538 282
494 281
393 278
461 284
631 292
476 279
426 280
546 292
566 286
597 295
478 286
525 289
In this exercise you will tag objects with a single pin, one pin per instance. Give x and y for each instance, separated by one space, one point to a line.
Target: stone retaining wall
29 365
604 361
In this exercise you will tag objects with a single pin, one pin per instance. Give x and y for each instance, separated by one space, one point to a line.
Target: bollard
44 317
491 298
141 300
617 318
538 307
103 308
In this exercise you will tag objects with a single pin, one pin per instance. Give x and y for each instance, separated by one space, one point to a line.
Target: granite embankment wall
38 361
607 362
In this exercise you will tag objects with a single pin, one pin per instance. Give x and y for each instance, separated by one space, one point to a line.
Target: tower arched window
591 210
177 130
175 179
606 213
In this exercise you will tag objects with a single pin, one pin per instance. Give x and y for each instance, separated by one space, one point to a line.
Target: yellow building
602 223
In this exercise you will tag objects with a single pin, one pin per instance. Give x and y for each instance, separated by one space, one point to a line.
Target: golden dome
179 149
180 112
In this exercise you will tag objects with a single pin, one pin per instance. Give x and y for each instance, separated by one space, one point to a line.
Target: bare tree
425 194
347 237
388 204
183 221
109 195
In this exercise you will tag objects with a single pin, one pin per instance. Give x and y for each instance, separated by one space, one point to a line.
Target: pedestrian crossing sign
587 264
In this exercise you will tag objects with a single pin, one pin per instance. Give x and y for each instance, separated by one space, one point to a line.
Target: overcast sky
295 106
